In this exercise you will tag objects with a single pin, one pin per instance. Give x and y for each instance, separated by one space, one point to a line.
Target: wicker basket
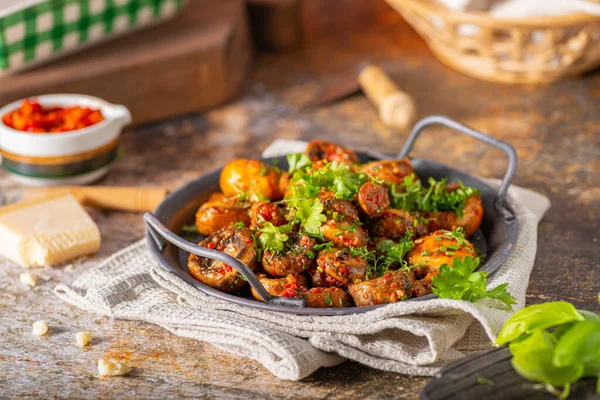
526 50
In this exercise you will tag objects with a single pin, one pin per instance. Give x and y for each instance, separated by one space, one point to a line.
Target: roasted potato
218 213
253 179
439 248
238 243
470 221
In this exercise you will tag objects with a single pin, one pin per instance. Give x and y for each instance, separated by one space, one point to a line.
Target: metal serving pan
495 239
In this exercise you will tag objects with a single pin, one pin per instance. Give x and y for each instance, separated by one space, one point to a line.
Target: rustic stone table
554 129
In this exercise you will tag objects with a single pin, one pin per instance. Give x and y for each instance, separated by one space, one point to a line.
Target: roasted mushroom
346 233
252 179
289 286
295 259
237 242
389 171
337 208
391 287
342 266
320 297
373 198
321 150
395 224
441 247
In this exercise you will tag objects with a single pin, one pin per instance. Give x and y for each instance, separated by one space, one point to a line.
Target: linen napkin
415 338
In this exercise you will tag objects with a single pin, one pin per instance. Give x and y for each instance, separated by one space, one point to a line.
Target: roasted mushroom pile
333 231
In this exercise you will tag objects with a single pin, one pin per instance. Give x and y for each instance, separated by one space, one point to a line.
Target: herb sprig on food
558 357
461 282
411 195
387 254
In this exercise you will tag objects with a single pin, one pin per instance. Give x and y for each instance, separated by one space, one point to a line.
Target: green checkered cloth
51 27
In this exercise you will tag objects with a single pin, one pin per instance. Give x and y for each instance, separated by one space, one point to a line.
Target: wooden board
195 61
490 375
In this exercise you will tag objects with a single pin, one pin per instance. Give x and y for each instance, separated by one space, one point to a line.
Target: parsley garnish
411 195
338 177
309 213
393 253
274 237
298 162
328 299
238 224
325 246
461 282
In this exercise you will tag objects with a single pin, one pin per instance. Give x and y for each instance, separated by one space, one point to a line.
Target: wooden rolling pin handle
396 108
105 197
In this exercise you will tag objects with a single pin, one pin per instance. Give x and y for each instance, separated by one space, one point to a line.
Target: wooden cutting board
195 61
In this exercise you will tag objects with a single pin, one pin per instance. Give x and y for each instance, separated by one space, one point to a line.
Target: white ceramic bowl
74 157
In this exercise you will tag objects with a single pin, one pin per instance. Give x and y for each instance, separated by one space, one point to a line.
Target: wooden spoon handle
105 197
396 108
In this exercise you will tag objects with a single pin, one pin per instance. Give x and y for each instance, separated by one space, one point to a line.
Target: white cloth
524 8
415 338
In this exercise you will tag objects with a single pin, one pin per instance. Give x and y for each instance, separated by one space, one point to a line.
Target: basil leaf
581 343
542 316
590 316
532 359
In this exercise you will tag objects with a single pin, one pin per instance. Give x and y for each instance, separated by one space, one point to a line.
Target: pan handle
162 235
450 123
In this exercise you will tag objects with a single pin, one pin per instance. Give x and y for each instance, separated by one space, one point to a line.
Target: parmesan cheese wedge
47 231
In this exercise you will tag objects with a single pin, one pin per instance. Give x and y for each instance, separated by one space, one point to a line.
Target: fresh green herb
242 196
569 352
328 299
192 228
341 302
484 381
309 213
411 195
461 282
438 238
310 254
298 162
349 228
338 177
325 246
264 171
538 316
391 254
273 237
239 224
395 254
